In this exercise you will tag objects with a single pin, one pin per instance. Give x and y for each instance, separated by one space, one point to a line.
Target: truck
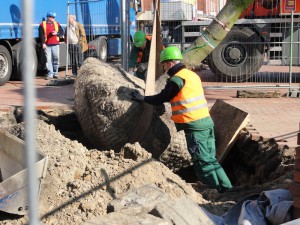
261 36
101 20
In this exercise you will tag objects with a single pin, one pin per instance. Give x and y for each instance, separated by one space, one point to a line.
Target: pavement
277 118
46 96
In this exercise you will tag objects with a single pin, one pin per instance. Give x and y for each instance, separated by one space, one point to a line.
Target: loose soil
81 181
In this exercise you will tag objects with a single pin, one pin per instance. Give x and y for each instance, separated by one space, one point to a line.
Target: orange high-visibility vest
45 29
140 53
190 103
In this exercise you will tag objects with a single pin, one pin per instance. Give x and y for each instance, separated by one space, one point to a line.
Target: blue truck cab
101 20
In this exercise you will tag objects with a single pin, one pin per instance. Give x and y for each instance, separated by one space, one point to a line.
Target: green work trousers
201 146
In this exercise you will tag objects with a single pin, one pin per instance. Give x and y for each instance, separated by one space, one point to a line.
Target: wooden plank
154 68
228 120
153 63
258 94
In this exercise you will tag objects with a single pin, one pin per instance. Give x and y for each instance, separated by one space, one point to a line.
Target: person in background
190 113
50 32
139 55
76 38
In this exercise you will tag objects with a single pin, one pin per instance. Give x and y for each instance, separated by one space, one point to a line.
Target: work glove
136 95
142 67
131 71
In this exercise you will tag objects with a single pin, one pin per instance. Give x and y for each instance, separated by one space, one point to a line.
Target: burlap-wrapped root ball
108 116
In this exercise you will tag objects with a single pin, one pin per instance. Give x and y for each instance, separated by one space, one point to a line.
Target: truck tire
102 49
20 61
238 57
5 65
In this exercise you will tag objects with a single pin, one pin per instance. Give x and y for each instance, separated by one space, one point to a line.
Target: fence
103 27
101 20
262 50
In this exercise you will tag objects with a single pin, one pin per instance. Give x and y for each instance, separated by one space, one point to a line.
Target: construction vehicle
261 35
264 32
13 177
101 20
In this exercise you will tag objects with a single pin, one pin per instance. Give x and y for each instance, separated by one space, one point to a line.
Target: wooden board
154 68
258 94
228 120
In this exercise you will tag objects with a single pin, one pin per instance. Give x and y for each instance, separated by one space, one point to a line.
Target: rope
205 39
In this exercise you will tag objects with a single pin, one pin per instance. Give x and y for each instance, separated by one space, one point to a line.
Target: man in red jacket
49 33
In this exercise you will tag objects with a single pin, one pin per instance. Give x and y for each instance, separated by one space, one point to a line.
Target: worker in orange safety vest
50 32
191 114
139 54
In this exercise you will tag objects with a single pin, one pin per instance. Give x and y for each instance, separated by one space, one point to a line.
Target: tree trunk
215 32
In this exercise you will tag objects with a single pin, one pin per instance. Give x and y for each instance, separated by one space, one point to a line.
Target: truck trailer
101 20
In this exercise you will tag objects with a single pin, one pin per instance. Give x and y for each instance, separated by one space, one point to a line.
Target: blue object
51 14
100 19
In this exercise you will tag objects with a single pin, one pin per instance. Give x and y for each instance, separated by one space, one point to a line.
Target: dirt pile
80 183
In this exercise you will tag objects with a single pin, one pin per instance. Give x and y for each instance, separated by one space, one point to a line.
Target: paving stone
182 211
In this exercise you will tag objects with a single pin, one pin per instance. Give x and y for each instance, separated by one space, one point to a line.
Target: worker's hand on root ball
136 95
131 71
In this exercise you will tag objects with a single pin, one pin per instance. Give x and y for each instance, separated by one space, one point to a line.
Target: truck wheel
5 65
20 61
238 57
102 49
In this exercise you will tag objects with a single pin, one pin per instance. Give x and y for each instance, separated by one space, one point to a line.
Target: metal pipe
67 41
125 33
291 48
29 115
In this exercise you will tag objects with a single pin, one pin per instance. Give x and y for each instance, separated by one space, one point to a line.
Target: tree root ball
108 116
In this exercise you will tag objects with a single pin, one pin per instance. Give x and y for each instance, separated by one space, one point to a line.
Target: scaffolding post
67 43
29 115
291 49
125 33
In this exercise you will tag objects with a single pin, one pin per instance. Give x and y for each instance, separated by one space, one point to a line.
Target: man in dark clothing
190 113
49 33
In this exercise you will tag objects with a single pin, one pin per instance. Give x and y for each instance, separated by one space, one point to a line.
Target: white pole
30 93
291 49
124 33
67 41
